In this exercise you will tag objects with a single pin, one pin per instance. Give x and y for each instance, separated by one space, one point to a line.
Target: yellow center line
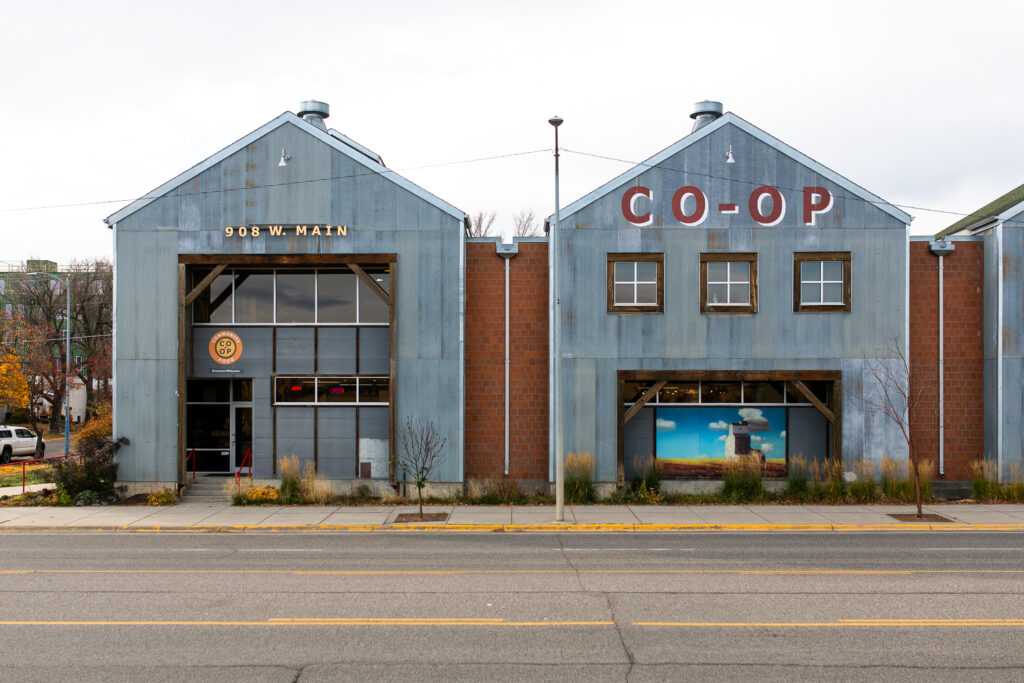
316 622
841 623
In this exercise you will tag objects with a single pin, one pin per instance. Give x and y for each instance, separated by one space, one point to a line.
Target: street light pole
67 371
556 121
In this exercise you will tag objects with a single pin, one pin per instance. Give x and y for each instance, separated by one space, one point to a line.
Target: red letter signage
629 198
816 200
700 211
756 206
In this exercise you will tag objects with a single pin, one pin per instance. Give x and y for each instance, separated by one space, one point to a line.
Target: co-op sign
690 206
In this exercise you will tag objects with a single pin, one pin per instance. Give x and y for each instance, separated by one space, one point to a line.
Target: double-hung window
728 283
821 281
635 282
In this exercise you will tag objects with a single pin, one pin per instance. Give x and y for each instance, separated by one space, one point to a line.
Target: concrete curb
437 527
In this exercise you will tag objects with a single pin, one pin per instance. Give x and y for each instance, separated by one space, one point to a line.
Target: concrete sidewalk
468 518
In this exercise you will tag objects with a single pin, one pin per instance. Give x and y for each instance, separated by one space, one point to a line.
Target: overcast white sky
920 102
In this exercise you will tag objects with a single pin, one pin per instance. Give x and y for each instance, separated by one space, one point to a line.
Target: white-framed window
635 282
728 283
821 281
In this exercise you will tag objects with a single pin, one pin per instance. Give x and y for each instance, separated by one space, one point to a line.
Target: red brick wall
963 381
485 362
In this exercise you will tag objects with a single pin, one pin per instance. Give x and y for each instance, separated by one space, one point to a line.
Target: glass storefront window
214 304
680 392
762 392
296 296
720 392
336 297
208 391
295 390
254 296
374 389
336 389
241 390
372 308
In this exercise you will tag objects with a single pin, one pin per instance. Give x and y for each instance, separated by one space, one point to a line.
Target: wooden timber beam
203 284
815 401
642 401
371 283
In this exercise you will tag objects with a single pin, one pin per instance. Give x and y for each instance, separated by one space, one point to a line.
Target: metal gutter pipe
999 352
941 249
507 252
462 352
556 121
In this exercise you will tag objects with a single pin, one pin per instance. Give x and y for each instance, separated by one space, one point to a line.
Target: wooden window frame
659 307
728 257
801 257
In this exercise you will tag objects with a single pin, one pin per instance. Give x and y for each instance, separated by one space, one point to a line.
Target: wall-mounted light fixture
285 158
729 159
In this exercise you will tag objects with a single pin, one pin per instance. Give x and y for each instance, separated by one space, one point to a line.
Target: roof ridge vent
705 112
315 112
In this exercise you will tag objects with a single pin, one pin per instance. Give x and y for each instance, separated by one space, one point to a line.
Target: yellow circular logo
225 347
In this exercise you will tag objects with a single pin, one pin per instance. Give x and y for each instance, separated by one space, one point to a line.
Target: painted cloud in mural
721 425
665 425
755 419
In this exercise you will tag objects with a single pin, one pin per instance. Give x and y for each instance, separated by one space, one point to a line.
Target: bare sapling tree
421 449
895 396
481 224
525 224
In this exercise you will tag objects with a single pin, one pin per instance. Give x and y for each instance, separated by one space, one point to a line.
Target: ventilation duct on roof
315 112
705 112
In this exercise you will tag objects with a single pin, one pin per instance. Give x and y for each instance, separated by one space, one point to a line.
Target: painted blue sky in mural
688 433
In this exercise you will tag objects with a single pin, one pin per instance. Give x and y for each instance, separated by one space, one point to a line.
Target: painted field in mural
698 442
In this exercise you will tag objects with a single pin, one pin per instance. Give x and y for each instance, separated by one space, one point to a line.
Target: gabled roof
1003 208
342 144
747 127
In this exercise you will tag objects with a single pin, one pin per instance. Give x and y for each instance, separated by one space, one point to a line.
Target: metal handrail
246 459
23 463
191 454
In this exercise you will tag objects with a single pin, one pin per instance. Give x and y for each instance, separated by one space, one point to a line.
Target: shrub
313 490
743 480
96 432
646 474
494 492
579 478
986 486
863 488
162 497
796 482
291 480
247 494
96 472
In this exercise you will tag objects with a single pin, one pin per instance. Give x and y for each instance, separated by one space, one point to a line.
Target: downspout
462 351
941 249
999 351
507 251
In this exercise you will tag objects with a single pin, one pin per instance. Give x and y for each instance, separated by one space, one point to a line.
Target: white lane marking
280 550
642 550
1015 550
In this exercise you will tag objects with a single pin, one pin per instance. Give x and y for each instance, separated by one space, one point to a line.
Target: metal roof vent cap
315 112
705 112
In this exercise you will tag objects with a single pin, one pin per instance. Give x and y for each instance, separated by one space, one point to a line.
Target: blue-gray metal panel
336 350
295 350
146 396
294 433
807 435
336 435
374 351
638 440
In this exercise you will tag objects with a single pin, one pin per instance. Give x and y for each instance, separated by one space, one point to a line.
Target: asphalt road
322 606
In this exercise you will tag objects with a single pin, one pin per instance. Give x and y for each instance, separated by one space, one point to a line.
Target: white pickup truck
18 441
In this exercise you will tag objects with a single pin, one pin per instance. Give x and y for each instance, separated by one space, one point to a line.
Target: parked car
19 441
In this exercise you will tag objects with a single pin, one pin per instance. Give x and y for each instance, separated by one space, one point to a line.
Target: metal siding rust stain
718 239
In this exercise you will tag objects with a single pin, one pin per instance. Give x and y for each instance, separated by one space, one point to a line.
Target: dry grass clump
743 479
579 478
988 488
494 491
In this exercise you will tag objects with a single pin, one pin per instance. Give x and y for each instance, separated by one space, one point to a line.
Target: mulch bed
912 517
427 517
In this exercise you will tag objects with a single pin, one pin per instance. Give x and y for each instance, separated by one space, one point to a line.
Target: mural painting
698 442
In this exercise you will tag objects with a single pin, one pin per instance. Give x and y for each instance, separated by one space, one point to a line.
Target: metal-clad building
726 297
288 295
1000 225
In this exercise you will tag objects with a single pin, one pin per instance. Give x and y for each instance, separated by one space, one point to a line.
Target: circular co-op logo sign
225 347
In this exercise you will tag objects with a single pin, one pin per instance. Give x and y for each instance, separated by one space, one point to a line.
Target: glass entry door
241 433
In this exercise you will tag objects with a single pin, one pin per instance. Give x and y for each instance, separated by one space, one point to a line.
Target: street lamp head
555 121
